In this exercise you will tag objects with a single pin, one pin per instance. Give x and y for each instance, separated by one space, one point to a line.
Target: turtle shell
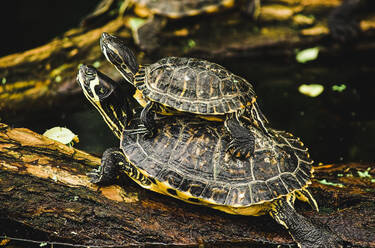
194 85
183 8
188 158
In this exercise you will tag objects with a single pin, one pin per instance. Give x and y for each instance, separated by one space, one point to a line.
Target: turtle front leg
114 161
148 119
106 174
303 232
242 139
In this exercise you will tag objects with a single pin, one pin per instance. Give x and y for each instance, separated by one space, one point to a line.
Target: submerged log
44 187
46 75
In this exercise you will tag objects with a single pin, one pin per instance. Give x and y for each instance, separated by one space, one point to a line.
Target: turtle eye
102 91
90 72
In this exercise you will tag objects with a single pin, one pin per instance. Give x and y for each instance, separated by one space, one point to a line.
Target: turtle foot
305 233
241 148
242 143
107 172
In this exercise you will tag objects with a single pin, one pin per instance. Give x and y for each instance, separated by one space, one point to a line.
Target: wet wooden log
46 75
44 187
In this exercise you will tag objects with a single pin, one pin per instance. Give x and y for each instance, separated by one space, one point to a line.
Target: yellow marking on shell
167 111
253 210
211 118
251 102
162 188
185 84
140 98
171 111
260 208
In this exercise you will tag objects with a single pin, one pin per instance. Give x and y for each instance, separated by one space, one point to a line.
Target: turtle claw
137 131
94 176
149 134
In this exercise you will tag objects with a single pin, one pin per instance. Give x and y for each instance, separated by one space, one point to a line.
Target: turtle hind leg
111 161
305 233
242 142
148 119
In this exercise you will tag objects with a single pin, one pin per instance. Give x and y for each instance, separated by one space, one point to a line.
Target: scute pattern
190 156
182 8
193 85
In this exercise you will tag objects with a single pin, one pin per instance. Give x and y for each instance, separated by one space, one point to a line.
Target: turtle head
119 55
103 93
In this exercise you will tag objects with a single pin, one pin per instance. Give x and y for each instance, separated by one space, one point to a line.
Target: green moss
325 182
339 88
365 174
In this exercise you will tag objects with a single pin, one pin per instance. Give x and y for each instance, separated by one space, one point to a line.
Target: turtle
187 160
158 12
178 85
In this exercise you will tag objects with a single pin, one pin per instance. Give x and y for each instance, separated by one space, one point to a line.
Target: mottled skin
176 85
187 160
